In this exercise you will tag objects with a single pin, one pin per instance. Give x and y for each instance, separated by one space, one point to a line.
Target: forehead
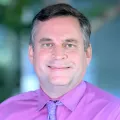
59 28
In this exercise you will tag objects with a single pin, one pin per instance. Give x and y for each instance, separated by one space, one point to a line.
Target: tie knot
51 105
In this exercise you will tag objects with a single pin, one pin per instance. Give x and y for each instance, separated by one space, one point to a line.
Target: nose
59 53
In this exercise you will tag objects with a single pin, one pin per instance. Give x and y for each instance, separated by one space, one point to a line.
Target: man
60 52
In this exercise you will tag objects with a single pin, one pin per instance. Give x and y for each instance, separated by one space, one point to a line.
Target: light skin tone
58 57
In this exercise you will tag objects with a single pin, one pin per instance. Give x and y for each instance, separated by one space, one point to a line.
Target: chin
60 81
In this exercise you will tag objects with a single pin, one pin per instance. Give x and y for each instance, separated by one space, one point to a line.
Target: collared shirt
84 102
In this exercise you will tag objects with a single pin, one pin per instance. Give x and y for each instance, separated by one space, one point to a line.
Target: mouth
58 68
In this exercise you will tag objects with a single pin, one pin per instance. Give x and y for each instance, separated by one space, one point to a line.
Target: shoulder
103 103
18 103
98 93
20 97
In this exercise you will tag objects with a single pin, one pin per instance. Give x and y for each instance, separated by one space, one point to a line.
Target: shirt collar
70 99
42 99
73 97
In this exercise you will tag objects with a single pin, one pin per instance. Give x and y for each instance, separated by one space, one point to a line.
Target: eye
70 45
47 45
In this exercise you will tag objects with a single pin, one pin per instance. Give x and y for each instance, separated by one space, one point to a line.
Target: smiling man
60 52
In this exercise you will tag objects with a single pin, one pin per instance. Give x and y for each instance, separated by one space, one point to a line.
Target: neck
57 91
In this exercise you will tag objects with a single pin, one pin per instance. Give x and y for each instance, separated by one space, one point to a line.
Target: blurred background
16 72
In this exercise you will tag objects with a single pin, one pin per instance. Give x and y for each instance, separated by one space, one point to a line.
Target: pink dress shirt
84 102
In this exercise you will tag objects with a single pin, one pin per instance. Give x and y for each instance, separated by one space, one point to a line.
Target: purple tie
51 106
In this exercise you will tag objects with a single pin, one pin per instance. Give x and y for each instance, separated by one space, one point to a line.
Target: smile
58 68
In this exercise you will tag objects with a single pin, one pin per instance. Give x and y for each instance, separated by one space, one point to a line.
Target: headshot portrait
60 52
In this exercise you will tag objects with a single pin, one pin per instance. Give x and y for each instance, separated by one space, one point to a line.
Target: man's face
58 56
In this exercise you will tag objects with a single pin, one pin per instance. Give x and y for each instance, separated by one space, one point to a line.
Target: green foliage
10 16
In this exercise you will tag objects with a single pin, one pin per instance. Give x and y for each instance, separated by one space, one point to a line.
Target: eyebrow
66 40
45 40
71 40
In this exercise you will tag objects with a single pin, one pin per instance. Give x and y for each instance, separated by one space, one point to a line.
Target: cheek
74 55
42 55
78 58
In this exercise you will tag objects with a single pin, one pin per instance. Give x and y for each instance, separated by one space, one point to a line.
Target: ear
30 53
88 54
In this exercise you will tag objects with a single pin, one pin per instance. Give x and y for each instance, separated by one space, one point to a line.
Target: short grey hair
62 9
